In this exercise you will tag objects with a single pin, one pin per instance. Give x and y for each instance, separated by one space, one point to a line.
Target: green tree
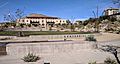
22 25
72 27
29 25
85 22
68 22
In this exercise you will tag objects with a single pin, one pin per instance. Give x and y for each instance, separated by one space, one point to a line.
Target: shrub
30 58
110 61
90 38
92 62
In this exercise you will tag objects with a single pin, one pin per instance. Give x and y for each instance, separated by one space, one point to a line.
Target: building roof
112 8
34 15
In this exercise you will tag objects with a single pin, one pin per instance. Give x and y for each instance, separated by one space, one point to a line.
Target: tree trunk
115 54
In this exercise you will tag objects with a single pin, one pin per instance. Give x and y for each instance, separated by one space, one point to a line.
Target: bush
92 62
90 38
110 61
31 58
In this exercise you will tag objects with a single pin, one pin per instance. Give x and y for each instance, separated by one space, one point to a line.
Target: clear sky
67 9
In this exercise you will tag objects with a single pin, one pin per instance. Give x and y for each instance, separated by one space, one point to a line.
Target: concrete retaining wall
22 49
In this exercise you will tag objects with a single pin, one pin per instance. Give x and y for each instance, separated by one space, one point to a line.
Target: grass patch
15 33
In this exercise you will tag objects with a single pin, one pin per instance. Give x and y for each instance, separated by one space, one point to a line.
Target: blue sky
67 9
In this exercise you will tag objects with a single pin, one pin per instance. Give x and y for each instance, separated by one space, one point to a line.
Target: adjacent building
111 11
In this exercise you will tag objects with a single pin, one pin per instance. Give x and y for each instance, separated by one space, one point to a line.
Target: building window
42 20
43 24
22 20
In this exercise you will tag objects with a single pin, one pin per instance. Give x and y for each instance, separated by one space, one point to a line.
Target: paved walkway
73 57
81 57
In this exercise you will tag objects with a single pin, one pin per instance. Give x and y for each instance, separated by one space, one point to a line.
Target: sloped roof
34 15
111 8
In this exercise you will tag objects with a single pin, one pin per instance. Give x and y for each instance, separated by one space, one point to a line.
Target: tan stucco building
43 21
111 11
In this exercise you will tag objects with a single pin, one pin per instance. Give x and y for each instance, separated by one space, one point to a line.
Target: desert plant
110 61
113 50
90 38
92 62
30 57
20 34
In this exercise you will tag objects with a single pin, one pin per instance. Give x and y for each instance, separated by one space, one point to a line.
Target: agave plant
30 57
90 38
92 62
